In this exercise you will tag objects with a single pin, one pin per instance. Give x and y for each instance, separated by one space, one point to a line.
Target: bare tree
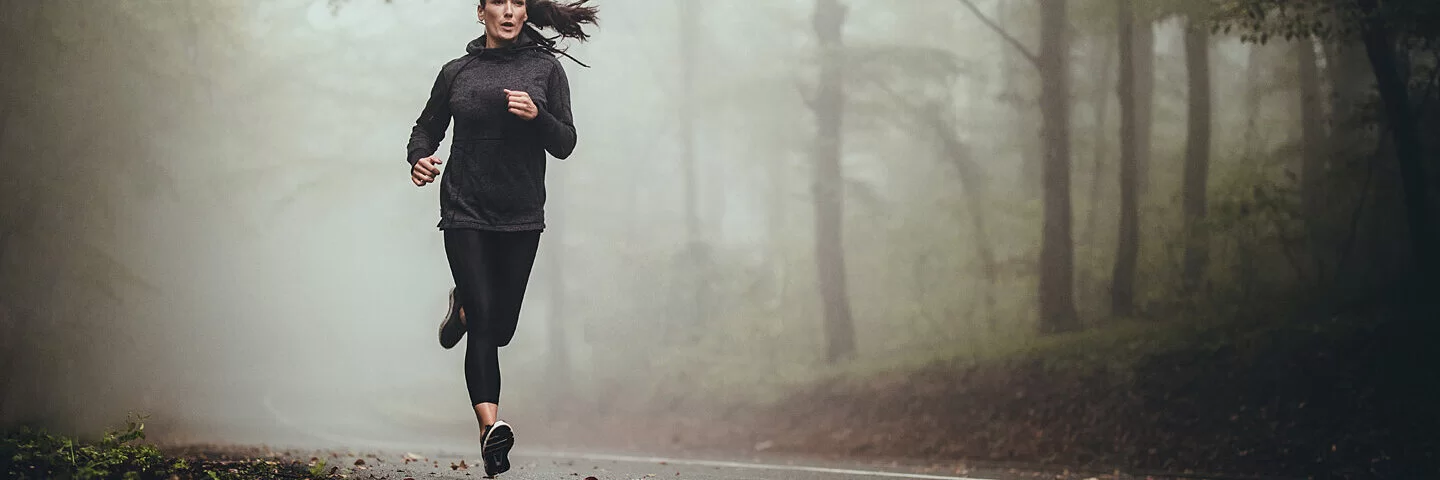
828 105
1197 150
1057 256
1311 126
1104 70
1144 32
1122 290
696 248
882 72
1405 130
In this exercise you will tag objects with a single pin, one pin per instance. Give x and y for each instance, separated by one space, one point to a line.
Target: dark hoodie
495 176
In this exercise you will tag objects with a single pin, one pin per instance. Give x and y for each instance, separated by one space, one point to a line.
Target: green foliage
318 469
1261 20
1255 222
38 454
118 454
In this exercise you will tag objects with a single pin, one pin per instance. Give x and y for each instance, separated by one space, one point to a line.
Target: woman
510 100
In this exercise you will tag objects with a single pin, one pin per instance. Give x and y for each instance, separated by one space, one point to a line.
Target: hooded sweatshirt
494 178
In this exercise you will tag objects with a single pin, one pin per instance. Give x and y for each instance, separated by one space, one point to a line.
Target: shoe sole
451 315
496 450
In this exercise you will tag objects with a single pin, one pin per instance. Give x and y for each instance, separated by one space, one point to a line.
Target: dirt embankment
1331 401
1337 399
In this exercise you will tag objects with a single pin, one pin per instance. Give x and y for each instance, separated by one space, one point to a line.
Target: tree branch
1003 34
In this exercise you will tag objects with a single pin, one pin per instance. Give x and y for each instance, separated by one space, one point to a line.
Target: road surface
552 465
366 445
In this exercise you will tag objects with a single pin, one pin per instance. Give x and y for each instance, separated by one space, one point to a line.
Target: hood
525 41
529 40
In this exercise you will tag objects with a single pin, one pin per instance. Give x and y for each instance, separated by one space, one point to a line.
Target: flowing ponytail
565 17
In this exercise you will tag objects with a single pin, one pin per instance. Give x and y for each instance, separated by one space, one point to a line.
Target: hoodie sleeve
557 127
429 129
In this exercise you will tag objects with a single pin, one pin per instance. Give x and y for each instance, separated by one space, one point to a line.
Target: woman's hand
521 105
425 171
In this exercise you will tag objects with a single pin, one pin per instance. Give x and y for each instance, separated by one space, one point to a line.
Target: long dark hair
565 18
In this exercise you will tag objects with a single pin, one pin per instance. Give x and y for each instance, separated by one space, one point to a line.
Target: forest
1099 235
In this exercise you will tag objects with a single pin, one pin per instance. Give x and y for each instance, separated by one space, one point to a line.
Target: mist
207 216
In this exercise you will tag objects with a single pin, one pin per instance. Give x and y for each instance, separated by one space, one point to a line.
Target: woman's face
503 18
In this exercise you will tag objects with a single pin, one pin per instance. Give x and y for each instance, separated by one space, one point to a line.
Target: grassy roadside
1318 397
122 453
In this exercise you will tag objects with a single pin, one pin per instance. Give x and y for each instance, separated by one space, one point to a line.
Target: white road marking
757 466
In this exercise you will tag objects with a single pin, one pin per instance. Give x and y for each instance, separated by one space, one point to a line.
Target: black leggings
491 270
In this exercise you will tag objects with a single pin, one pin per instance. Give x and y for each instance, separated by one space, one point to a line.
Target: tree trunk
1404 128
687 118
1102 122
6 107
973 186
1197 153
1253 96
1144 31
1351 82
1312 141
1407 400
1057 257
829 18
1122 291
696 250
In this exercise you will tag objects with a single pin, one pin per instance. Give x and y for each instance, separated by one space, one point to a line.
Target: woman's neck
492 42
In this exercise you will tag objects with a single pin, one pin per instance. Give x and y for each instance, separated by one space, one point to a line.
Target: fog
207 216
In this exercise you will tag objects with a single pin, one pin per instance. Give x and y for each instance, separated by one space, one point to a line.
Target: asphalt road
553 465
379 449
